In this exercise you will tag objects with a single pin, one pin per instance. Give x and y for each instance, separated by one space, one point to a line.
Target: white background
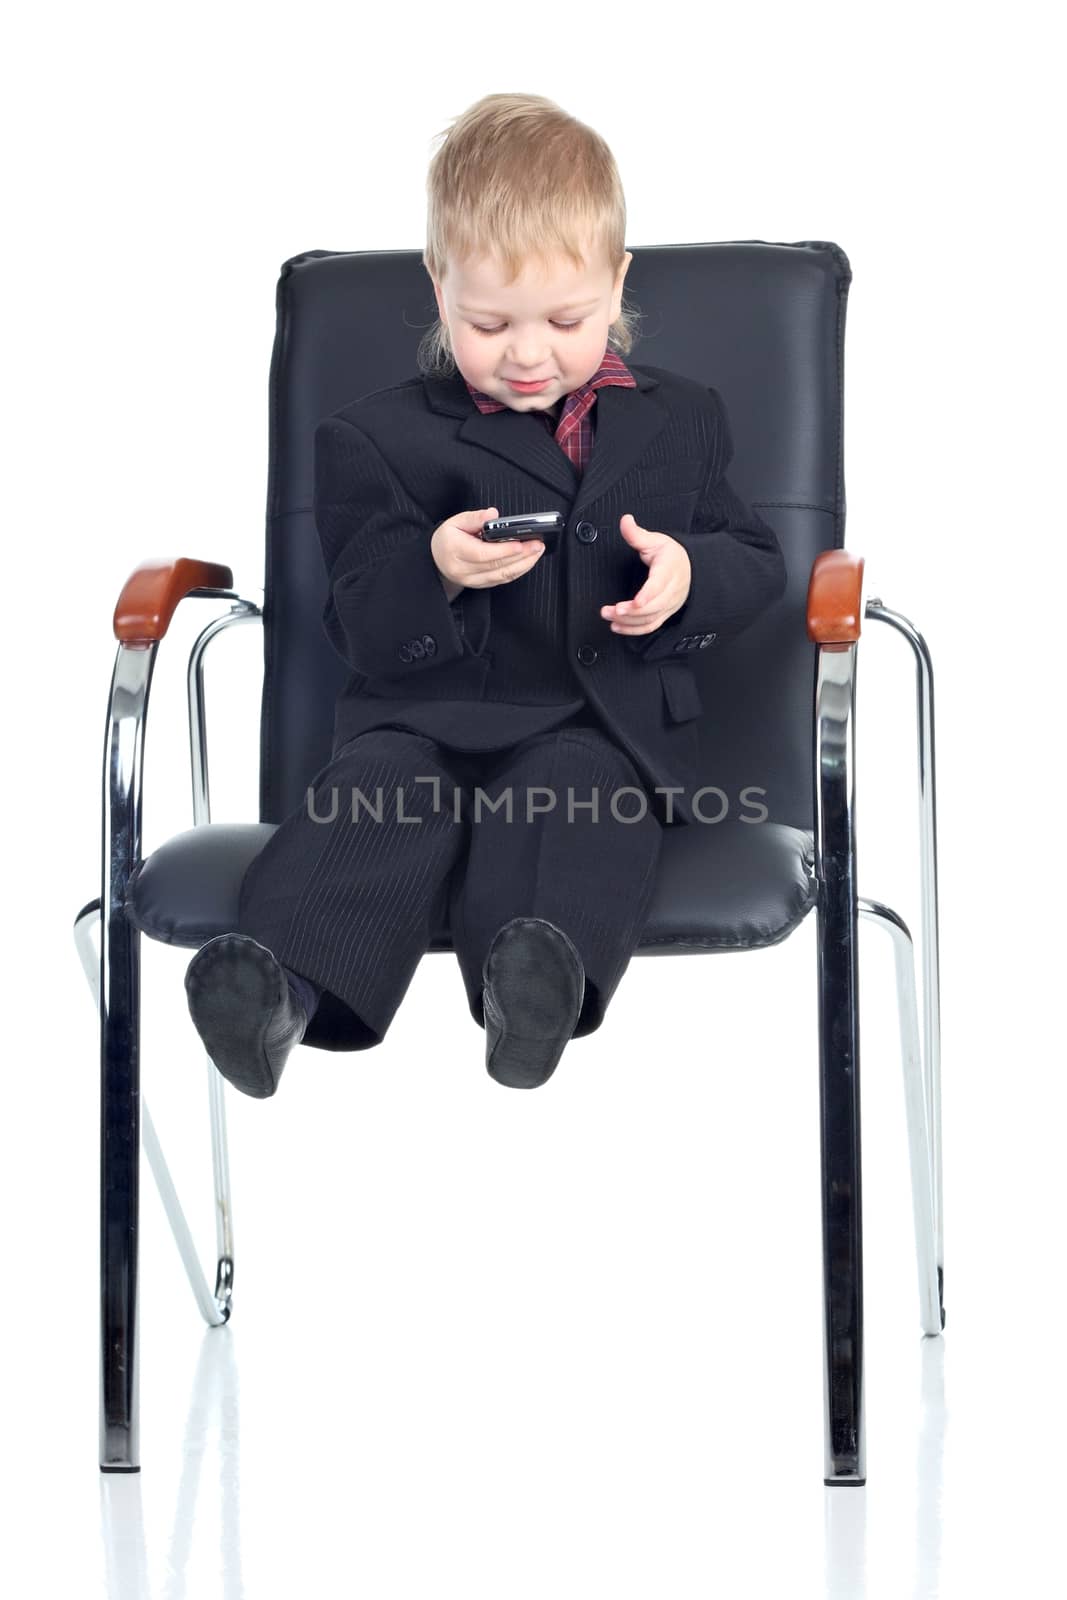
563 1343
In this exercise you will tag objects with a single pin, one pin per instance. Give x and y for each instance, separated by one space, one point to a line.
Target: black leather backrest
763 323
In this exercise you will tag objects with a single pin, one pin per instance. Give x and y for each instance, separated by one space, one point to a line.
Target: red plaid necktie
574 432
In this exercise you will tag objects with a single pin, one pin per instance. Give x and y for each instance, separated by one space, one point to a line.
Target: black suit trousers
352 886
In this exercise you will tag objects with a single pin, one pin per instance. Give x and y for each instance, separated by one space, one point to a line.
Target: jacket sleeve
737 565
387 613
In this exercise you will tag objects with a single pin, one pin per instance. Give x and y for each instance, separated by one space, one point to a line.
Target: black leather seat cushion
728 886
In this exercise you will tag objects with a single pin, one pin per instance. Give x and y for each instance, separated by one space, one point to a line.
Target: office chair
764 324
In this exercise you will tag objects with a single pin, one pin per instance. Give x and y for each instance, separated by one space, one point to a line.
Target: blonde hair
518 179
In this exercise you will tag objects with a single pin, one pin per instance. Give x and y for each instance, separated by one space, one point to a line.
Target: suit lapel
627 422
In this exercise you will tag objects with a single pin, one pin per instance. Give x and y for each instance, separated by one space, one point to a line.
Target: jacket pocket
680 690
666 512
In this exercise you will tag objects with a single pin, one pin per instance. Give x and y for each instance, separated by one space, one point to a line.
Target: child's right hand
464 558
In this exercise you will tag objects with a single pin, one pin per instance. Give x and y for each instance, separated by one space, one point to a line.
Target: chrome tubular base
214 1308
115 981
844 1453
838 911
931 989
931 1315
120 1064
242 611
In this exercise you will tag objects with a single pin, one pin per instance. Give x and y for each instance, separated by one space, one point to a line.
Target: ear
439 298
620 278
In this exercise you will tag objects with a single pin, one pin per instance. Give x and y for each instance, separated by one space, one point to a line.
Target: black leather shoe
244 1011
534 983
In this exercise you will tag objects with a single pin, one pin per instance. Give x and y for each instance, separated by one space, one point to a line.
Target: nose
524 358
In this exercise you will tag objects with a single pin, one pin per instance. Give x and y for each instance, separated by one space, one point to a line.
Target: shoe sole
533 987
235 988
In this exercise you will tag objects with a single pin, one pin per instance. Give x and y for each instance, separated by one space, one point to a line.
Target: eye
565 327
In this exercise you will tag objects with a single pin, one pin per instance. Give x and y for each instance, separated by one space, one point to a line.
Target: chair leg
120 1061
118 1002
214 1307
931 1313
119 1172
839 1062
120 1126
924 726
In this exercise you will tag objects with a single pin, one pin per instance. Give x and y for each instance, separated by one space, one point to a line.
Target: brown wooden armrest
834 593
151 594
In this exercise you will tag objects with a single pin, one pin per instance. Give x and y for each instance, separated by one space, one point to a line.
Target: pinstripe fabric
588 865
352 901
349 900
517 686
504 662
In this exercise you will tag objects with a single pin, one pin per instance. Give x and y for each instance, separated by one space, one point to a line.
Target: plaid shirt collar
574 430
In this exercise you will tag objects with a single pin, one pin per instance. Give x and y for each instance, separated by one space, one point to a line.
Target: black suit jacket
498 664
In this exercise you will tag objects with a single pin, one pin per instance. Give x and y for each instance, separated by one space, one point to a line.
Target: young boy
550 682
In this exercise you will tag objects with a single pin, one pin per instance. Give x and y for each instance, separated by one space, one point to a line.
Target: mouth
528 388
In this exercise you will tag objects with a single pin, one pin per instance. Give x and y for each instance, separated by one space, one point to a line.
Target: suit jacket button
404 653
418 648
681 645
587 654
705 641
429 644
587 532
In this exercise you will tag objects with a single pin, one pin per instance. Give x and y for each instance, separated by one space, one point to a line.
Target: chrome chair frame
114 978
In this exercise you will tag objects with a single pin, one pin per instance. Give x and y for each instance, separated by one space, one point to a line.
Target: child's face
552 326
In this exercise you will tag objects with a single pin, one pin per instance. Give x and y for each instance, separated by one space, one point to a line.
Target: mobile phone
544 525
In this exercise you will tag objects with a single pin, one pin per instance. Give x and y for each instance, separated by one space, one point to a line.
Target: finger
495 555
652 592
644 623
516 569
491 555
623 608
636 627
504 569
644 601
526 550
471 522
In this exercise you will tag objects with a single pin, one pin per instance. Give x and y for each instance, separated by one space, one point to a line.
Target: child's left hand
666 588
